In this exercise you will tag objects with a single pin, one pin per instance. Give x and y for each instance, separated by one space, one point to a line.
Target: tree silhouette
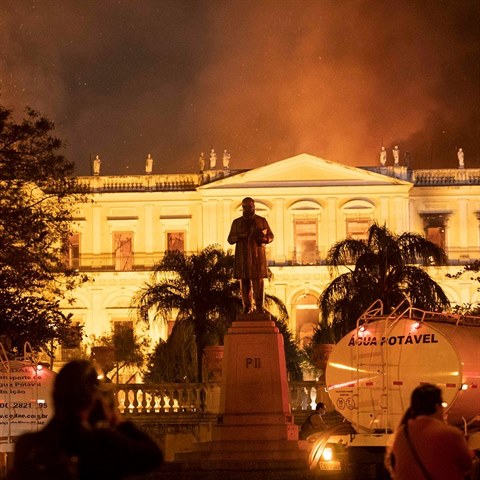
38 197
385 267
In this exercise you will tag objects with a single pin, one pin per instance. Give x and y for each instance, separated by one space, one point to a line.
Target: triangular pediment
303 170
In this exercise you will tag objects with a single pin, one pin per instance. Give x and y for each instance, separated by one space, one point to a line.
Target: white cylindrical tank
373 370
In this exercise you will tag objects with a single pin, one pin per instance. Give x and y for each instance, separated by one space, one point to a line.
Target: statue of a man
461 158
383 157
213 159
250 233
396 156
226 160
201 162
96 165
148 164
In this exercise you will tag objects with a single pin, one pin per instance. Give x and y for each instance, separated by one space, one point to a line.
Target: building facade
310 204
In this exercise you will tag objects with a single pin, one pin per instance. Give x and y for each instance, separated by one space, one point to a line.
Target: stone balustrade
140 183
152 182
184 398
191 181
447 176
167 398
431 177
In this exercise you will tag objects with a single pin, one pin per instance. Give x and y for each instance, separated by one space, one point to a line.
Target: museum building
310 203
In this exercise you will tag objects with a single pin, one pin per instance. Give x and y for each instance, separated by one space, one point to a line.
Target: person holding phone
87 438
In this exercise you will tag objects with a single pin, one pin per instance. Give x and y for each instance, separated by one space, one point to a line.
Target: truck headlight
327 454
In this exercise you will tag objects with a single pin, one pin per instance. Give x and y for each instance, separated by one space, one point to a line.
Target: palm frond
345 252
384 269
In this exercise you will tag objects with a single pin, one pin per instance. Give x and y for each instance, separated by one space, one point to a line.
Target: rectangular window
306 250
357 228
435 228
72 251
123 250
436 235
176 241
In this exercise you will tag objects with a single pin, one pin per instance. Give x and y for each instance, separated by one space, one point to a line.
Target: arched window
305 217
306 315
358 218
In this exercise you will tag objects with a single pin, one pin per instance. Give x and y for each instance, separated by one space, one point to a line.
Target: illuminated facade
310 203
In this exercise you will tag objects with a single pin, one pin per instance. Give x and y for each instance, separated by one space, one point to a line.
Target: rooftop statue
213 159
149 164
396 156
201 162
226 159
96 165
383 157
461 158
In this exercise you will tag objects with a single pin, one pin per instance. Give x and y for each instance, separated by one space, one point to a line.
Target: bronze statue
250 233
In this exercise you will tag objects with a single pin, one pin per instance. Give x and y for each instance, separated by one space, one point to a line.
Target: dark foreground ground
236 475
177 472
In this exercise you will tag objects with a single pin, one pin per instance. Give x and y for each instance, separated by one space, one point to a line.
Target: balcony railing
145 261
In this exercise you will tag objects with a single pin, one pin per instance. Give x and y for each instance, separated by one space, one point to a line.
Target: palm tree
200 289
385 268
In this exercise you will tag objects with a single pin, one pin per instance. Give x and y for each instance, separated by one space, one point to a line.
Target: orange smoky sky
264 79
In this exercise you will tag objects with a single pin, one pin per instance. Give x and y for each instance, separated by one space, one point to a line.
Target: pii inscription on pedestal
253 362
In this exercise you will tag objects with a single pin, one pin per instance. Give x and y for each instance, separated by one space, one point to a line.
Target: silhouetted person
424 445
250 233
314 422
73 445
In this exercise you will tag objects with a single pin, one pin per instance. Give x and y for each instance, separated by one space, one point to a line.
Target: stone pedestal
256 428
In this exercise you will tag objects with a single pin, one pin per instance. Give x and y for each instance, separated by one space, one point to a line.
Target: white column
148 230
279 229
400 214
463 220
226 219
332 234
97 324
97 232
384 212
210 222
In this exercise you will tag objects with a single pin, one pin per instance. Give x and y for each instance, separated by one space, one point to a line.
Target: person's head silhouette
76 388
425 400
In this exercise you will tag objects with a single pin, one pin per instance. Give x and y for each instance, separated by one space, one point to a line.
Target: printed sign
410 339
25 397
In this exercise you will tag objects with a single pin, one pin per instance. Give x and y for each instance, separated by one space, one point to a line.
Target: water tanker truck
372 371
